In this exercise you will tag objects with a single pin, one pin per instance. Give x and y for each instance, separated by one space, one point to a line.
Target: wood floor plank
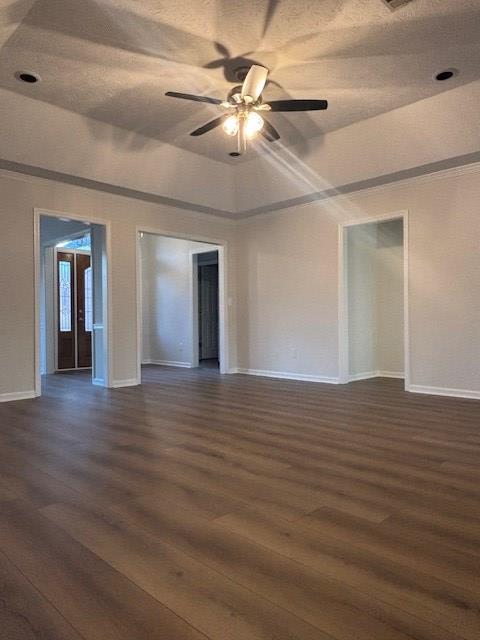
24 613
200 507
208 600
331 606
99 602
420 594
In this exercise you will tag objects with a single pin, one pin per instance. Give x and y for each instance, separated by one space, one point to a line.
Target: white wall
375 298
17 325
166 299
288 282
285 268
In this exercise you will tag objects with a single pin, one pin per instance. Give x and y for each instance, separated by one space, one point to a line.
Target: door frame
343 337
223 293
37 214
194 305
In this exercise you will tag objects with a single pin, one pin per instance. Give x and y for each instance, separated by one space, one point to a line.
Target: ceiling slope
435 133
67 146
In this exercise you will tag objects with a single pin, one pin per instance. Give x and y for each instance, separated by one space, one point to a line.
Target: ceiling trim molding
30 173
461 165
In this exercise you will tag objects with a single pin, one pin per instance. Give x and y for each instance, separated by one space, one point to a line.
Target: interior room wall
375 298
20 195
166 299
288 283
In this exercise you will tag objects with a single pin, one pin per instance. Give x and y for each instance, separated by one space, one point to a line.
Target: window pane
88 299
65 295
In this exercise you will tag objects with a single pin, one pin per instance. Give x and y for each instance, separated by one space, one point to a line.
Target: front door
74 304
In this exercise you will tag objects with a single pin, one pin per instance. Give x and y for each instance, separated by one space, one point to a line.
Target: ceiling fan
245 110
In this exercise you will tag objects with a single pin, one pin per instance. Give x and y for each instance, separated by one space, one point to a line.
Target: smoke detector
395 4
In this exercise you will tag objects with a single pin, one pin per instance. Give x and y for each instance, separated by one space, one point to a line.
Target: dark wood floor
238 508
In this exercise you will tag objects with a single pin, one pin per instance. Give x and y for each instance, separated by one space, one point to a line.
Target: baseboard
98 382
305 377
400 375
366 375
131 382
444 391
376 374
170 363
17 395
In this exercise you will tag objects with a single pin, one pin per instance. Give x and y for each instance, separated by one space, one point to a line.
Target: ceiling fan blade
269 132
188 96
208 127
254 82
298 105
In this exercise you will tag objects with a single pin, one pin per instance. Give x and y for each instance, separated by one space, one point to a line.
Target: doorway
374 299
72 299
74 303
182 310
207 309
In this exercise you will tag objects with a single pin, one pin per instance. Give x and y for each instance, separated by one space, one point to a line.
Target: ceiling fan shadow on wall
245 109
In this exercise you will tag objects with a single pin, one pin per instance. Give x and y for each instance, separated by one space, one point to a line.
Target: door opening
181 302
374 313
207 284
72 297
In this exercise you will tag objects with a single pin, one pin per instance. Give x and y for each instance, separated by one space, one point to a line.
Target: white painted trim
130 382
193 307
36 303
98 382
399 375
285 375
376 374
343 338
363 376
170 363
444 391
18 395
223 291
37 213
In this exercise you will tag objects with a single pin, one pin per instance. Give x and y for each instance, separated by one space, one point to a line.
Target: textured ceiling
113 60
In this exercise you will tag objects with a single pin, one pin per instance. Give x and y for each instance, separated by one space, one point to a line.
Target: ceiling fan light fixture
231 125
254 123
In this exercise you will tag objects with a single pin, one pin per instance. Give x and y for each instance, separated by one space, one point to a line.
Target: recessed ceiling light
27 76
445 75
